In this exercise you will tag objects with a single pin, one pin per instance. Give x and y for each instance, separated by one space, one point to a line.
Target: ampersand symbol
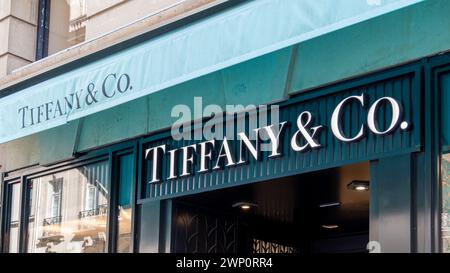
307 133
90 98
374 247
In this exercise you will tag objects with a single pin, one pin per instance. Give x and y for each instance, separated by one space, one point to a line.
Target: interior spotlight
327 205
358 185
244 205
330 226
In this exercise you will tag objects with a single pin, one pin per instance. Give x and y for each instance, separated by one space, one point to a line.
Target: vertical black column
112 203
43 29
391 222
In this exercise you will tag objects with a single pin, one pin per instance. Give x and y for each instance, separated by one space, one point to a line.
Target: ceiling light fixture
244 205
358 185
327 205
330 226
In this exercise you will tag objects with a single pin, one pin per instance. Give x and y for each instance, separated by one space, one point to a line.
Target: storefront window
68 211
125 210
445 163
13 196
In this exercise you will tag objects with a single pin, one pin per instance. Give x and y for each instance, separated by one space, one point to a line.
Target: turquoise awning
245 32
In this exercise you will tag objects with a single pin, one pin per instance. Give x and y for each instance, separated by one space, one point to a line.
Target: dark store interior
320 212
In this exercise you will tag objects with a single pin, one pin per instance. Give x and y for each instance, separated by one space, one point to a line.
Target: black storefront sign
367 119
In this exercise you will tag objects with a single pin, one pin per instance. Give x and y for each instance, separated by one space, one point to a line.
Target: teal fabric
248 31
387 40
413 32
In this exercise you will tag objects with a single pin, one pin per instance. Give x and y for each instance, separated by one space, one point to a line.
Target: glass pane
67 24
445 202
14 221
90 198
445 112
125 213
445 162
58 221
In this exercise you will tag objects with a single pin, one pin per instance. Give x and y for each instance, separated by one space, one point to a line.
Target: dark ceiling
290 207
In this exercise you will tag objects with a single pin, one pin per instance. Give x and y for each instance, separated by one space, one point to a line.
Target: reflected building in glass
445 203
68 210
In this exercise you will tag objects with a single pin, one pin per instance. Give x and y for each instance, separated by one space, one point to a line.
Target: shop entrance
319 212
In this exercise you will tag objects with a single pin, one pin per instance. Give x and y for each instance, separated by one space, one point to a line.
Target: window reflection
14 197
125 212
445 225
124 230
68 211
